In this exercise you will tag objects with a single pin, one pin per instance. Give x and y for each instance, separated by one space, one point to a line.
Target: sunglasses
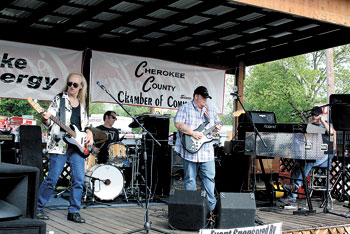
75 85
114 117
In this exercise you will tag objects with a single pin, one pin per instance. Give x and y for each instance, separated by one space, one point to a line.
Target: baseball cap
203 91
316 110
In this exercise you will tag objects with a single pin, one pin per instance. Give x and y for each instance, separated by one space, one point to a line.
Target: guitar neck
63 126
209 130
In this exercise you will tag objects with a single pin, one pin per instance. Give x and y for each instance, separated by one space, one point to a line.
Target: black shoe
42 215
75 217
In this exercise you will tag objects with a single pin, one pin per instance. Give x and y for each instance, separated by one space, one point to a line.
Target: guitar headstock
238 113
35 105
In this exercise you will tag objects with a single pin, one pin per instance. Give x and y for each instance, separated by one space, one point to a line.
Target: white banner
28 70
152 82
275 228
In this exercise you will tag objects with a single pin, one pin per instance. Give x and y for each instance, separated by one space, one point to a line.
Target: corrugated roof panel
7 21
167 44
230 37
250 17
225 25
173 28
75 31
89 24
86 2
306 27
31 4
219 10
282 34
141 22
254 30
106 16
54 19
280 22
209 43
123 30
257 41
162 13
203 32
126 7
185 4
14 13
182 39
41 26
139 40
196 19
193 48
154 35
68 10
109 36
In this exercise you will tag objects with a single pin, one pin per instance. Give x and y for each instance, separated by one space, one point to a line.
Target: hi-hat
99 135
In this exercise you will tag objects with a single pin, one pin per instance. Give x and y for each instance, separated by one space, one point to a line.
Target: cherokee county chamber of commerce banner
28 70
152 82
275 228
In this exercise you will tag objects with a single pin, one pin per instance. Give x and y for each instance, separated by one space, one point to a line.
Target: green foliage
295 84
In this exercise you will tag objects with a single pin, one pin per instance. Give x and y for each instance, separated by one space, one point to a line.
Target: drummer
101 150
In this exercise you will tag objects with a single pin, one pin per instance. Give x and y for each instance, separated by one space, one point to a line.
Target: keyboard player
292 188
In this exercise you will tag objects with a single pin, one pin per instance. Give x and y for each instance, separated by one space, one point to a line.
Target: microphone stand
257 133
148 225
93 201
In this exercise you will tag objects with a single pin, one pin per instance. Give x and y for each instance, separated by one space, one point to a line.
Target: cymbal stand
93 200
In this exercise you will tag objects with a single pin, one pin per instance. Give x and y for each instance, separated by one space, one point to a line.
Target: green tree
294 84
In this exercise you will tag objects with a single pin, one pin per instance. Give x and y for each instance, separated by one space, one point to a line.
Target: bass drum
108 181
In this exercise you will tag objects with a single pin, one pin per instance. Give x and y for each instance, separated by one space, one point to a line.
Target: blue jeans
77 173
296 172
206 172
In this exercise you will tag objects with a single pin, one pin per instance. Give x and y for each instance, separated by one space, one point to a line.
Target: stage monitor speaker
188 210
31 147
258 117
340 111
19 185
23 226
236 210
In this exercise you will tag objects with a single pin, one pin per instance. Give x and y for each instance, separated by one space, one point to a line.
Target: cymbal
99 135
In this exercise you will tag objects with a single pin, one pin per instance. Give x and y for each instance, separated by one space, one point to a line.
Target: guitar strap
206 116
62 111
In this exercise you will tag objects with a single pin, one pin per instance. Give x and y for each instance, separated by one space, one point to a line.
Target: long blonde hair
83 91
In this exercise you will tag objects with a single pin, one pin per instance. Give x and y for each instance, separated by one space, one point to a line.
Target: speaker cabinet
188 210
23 226
31 147
19 185
340 111
236 210
258 117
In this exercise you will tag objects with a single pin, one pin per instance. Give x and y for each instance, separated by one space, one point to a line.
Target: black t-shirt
75 118
113 137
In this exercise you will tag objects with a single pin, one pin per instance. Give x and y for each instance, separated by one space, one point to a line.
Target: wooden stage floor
122 219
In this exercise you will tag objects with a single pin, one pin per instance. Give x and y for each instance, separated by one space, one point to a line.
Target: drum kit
107 181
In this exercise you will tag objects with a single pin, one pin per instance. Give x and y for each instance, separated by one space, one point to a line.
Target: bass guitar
73 136
193 145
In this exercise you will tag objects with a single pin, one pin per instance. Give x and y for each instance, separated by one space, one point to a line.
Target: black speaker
340 111
18 194
158 173
31 147
8 150
188 210
236 210
25 226
258 117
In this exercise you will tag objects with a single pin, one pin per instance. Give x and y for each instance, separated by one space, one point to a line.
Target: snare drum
118 154
108 180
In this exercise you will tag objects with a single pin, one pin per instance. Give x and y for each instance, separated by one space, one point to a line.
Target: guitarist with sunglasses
188 118
70 108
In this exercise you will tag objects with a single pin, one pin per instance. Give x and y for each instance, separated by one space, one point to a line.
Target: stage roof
207 32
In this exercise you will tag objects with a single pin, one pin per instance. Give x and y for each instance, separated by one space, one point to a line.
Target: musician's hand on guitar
45 116
89 140
197 135
95 149
218 127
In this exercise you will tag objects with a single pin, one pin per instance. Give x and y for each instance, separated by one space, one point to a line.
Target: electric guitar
193 145
74 137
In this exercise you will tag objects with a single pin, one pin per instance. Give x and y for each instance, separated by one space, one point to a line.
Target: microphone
235 94
101 85
107 181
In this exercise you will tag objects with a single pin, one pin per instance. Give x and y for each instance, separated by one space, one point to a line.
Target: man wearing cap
188 118
292 188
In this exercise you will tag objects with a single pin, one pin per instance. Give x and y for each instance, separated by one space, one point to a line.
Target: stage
125 217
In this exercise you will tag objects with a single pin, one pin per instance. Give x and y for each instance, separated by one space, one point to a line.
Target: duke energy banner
152 82
28 70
